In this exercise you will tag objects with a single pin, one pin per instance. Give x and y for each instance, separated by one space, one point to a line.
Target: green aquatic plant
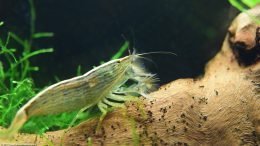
243 5
121 51
17 85
251 3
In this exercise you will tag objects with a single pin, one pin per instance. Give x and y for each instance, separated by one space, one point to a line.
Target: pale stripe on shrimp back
102 86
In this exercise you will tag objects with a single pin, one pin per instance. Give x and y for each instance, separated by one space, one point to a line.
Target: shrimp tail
20 118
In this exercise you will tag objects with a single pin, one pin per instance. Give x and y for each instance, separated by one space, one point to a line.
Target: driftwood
220 108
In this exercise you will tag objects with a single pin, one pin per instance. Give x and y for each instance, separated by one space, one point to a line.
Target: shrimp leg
103 108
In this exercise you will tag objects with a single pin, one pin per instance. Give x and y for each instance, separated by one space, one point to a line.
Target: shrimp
104 86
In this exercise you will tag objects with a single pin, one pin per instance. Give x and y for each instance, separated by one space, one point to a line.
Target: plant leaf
42 35
16 38
251 3
121 51
2 73
37 52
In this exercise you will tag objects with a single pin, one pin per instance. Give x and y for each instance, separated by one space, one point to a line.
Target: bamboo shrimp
103 86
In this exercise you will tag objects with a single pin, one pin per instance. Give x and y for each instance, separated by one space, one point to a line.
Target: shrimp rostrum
104 86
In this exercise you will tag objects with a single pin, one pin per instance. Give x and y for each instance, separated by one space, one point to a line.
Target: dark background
90 31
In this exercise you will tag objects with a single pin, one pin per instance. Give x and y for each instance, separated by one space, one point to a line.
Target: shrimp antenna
157 52
141 55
